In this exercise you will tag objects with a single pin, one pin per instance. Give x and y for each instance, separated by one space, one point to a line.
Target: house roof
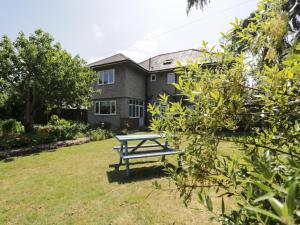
161 62
112 59
169 61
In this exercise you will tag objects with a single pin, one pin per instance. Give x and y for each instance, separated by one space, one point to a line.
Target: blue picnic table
141 150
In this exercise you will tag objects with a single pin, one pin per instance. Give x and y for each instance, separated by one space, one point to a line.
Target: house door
141 122
141 114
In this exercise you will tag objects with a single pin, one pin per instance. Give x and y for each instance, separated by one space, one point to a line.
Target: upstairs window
105 108
171 78
153 77
106 77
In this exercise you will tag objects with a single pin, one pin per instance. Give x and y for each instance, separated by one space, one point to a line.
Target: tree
292 7
42 75
264 182
196 3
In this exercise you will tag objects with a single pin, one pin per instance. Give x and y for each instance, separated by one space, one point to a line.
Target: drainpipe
146 94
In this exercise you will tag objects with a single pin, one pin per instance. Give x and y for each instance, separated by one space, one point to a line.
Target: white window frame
110 101
102 74
136 104
153 75
168 78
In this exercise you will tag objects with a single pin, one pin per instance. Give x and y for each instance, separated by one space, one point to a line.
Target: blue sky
138 28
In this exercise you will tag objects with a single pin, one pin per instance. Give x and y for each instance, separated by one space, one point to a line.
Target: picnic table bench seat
118 148
148 153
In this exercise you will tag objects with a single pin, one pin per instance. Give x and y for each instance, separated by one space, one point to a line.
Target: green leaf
291 197
223 206
264 197
262 186
200 196
276 205
156 185
215 94
264 212
208 203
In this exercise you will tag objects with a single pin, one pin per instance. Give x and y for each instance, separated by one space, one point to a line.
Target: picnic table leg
121 151
163 158
126 160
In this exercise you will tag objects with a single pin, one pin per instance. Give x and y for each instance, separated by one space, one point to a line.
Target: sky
140 29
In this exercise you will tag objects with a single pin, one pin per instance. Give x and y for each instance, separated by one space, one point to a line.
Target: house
124 87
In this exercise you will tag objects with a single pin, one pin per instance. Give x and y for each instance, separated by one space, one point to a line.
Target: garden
13 136
248 82
79 185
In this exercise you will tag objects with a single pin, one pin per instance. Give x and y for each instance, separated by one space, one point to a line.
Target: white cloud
143 48
97 31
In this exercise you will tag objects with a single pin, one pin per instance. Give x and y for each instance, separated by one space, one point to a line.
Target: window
153 77
168 61
171 78
105 108
106 77
136 108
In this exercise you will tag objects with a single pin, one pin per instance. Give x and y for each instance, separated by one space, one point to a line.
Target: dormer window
153 77
106 77
168 61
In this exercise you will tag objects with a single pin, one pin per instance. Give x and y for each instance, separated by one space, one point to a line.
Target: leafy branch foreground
252 81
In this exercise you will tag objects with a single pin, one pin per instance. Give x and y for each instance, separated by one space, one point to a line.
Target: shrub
21 140
56 130
56 121
62 129
11 127
79 135
99 134
43 135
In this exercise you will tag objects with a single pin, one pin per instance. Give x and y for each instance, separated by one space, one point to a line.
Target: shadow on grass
138 174
9 158
133 163
36 149
6 160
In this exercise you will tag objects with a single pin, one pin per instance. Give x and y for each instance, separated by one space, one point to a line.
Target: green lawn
77 185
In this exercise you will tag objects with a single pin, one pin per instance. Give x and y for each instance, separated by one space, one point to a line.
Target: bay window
105 107
136 108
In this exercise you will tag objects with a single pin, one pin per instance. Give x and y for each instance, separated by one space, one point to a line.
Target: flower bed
55 131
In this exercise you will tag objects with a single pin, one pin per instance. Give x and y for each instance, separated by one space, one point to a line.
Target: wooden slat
150 154
139 137
140 155
133 146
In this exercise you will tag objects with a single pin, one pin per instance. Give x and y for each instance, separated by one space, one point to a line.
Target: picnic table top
139 137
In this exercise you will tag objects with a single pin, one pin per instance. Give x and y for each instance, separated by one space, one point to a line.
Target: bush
99 134
62 129
56 121
11 127
21 140
79 135
56 130
43 135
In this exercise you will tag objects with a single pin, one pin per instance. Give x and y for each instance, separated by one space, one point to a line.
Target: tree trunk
28 117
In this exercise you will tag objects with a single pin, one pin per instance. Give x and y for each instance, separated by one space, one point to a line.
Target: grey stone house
124 87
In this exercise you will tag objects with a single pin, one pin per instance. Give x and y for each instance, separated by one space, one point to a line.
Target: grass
78 185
